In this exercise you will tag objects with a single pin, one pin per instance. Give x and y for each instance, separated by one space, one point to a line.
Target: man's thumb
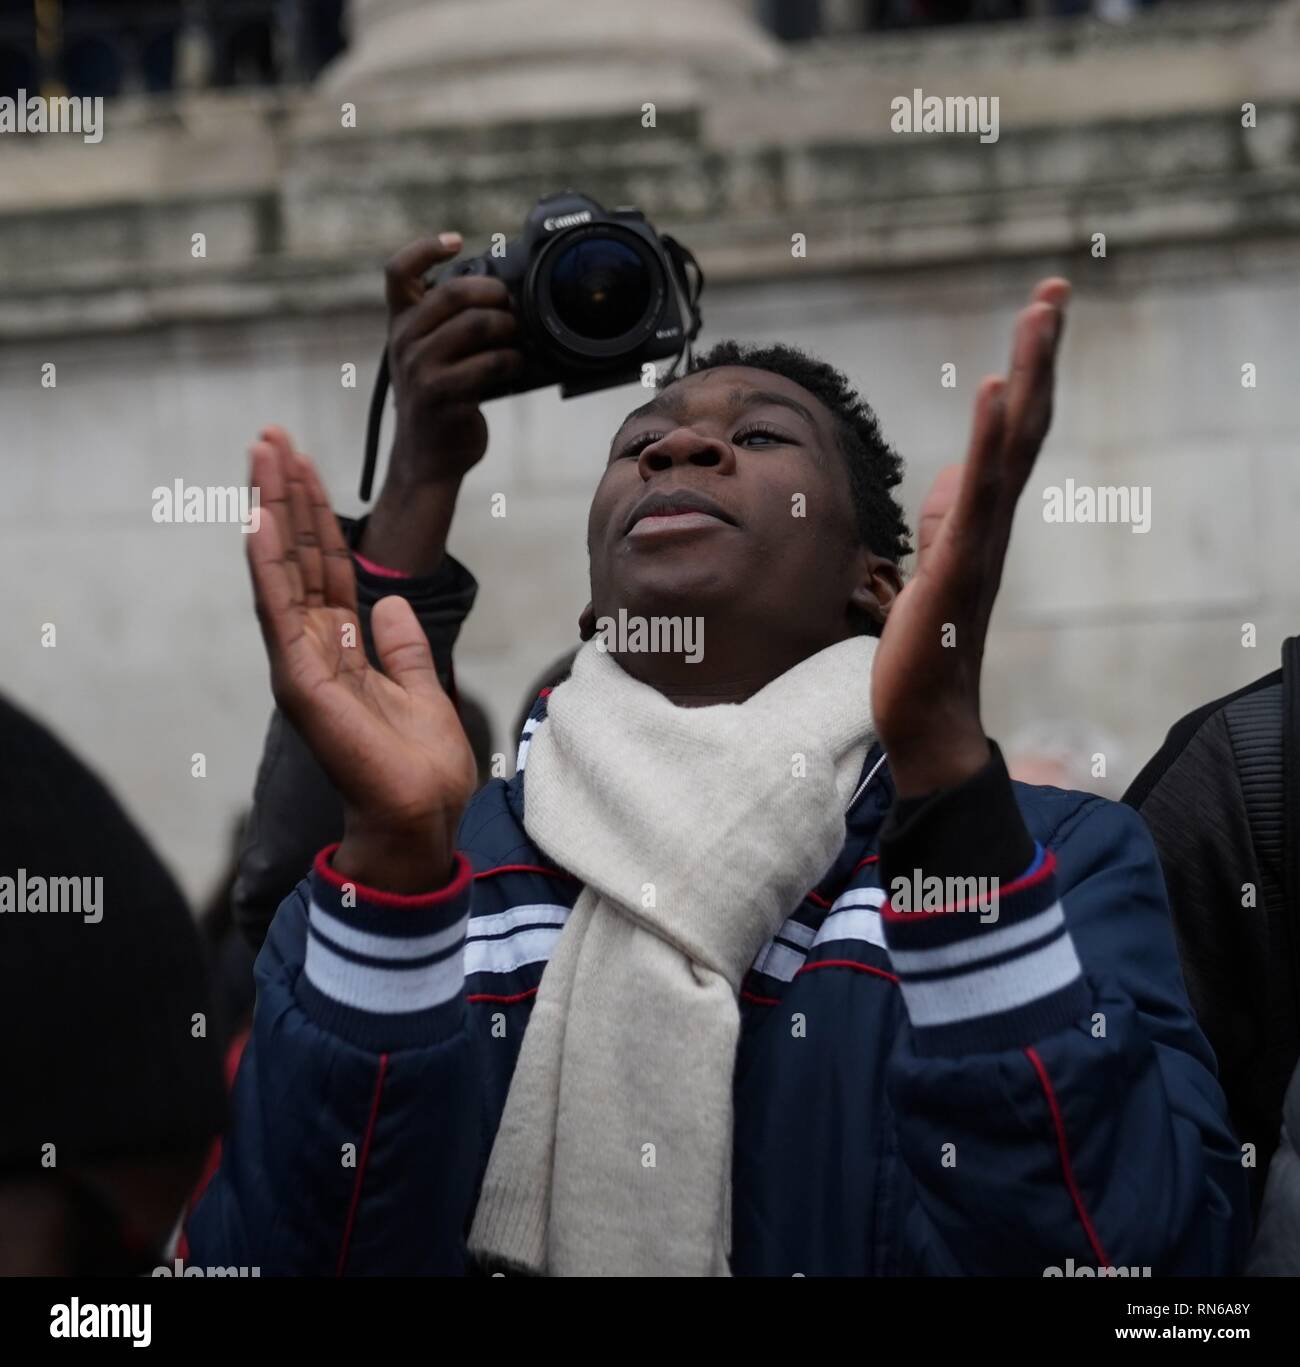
404 274
402 647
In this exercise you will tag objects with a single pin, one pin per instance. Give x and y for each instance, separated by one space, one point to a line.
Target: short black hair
874 467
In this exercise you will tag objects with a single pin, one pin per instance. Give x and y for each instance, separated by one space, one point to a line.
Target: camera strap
374 422
689 279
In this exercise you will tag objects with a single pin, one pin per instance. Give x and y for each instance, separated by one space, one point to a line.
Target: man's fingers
984 462
1054 290
277 468
279 607
451 297
336 558
464 334
404 274
938 504
1032 348
969 490
402 647
306 542
484 376
1037 416
1029 386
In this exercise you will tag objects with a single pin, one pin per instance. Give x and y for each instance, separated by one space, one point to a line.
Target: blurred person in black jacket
110 1073
1222 799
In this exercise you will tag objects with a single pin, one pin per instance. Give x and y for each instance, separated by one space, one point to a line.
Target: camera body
598 294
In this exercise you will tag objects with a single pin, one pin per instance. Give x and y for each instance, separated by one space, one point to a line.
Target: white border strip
382 991
504 956
395 947
992 991
499 922
982 943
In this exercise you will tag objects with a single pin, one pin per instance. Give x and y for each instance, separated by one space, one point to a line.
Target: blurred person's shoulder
1205 750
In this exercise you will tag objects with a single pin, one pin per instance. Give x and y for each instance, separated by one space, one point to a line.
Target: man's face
727 494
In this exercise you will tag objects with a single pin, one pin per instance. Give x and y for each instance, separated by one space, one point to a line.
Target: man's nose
686 446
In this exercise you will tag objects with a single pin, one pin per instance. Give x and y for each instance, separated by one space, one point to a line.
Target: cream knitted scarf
696 832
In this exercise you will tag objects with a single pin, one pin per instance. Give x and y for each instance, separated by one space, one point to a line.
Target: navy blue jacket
914 1093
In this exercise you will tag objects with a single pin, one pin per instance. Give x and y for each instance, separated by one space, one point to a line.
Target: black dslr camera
598 295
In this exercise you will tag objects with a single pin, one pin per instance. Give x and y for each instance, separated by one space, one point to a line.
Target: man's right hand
389 741
450 347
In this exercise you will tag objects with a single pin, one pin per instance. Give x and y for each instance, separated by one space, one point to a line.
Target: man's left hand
926 676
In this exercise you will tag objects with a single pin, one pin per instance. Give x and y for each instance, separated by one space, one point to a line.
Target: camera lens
600 288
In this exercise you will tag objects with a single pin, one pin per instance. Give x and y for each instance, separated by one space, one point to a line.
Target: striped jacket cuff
385 971
995 968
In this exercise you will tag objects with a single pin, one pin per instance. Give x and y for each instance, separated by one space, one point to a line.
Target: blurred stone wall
918 251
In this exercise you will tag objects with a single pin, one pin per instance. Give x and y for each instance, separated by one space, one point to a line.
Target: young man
646 1009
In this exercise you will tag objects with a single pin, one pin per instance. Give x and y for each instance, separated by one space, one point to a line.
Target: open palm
390 740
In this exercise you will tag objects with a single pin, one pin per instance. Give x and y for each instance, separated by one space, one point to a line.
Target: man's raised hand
390 741
926 676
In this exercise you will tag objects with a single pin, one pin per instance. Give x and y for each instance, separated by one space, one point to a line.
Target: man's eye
639 444
769 434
